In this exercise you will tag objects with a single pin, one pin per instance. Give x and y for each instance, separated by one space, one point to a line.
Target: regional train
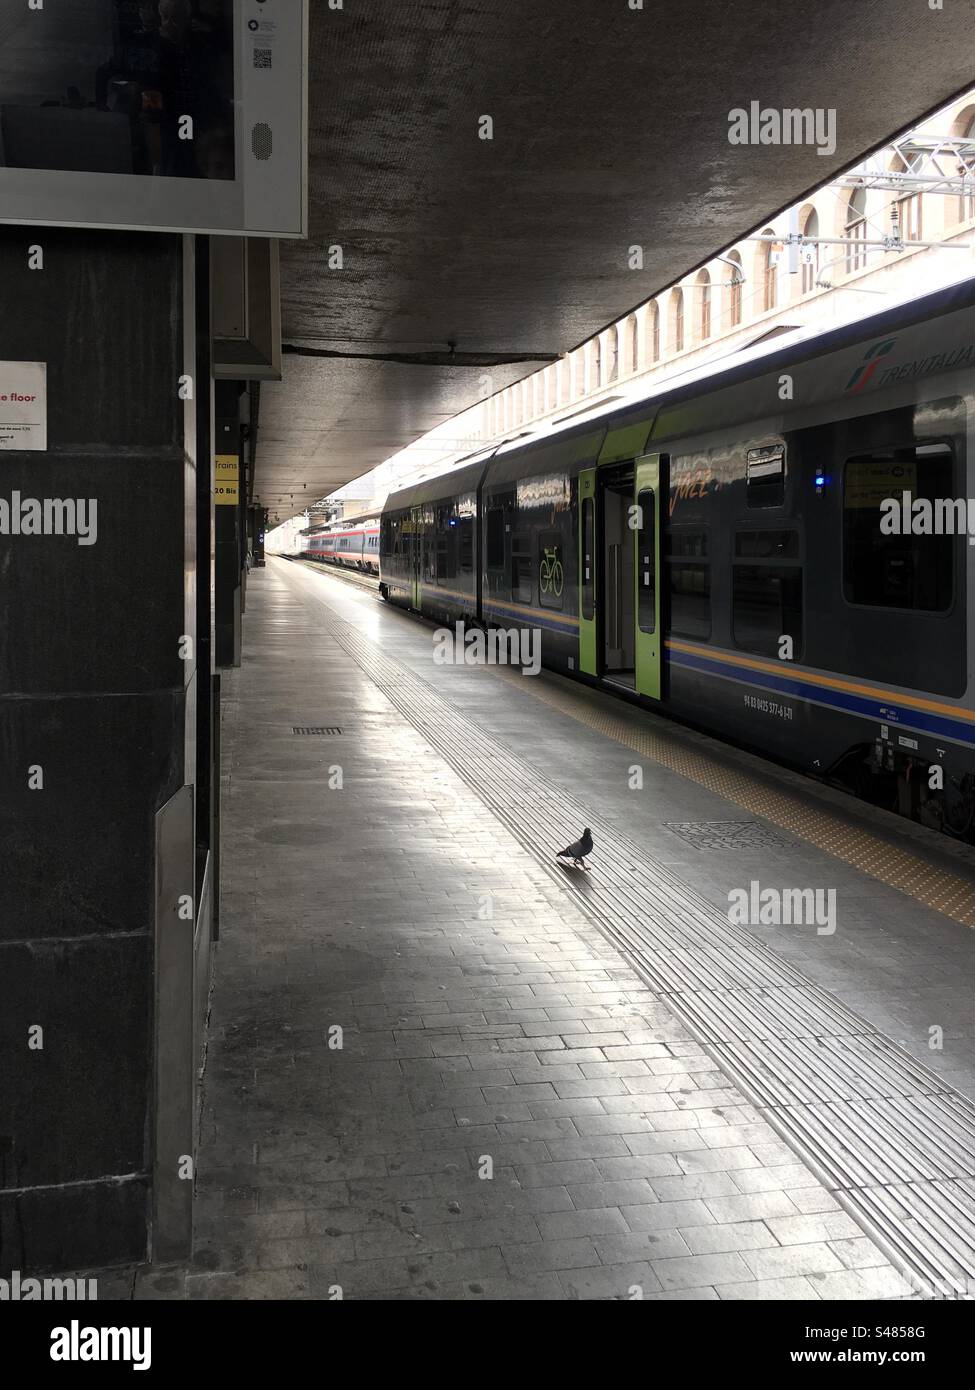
354 545
717 548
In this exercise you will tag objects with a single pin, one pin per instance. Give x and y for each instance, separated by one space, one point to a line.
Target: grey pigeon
577 852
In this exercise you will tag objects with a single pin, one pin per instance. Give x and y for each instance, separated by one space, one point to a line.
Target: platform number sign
226 480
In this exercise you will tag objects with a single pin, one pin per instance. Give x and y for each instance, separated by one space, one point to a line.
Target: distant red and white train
352 544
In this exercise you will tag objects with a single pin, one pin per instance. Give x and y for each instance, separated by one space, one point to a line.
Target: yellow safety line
934 887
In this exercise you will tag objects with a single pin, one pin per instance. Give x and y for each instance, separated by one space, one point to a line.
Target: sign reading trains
23 405
225 480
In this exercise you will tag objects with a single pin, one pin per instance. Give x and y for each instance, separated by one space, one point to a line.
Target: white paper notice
23 405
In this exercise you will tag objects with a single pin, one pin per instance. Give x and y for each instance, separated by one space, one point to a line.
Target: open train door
416 555
649 500
587 572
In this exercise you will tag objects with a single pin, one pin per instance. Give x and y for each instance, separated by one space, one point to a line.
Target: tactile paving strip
935 887
887 1136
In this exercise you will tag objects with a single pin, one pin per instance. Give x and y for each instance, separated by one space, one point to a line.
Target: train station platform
443 1066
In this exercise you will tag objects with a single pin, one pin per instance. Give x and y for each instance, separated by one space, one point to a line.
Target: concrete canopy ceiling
610 129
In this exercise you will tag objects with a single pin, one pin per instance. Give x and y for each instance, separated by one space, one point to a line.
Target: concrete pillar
99 742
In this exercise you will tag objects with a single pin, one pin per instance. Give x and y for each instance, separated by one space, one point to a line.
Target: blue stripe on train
875 709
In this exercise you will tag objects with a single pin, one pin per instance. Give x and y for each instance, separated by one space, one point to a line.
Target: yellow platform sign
226 480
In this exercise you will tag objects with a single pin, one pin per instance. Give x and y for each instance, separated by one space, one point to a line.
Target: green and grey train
720 550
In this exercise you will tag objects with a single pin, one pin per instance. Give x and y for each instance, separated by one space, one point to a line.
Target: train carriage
714 550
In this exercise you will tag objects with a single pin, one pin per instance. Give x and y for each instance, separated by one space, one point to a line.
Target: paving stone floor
429 1075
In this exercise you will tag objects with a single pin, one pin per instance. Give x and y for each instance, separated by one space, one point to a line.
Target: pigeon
577 852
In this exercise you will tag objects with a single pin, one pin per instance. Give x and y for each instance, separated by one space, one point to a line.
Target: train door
616 552
416 555
649 499
587 572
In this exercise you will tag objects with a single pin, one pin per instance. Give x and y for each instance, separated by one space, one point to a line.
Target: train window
521 568
689 583
882 566
466 543
765 476
551 574
588 560
767 545
495 538
767 606
646 578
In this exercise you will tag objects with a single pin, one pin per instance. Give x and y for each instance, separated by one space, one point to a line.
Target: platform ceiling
610 129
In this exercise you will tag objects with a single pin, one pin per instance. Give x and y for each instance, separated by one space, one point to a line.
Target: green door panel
587 571
648 497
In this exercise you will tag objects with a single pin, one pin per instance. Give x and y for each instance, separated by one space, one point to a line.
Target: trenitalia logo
871 361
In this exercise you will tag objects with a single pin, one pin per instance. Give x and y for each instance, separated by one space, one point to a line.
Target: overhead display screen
172 114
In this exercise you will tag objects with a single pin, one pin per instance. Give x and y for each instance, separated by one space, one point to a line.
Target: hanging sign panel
225 481
23 405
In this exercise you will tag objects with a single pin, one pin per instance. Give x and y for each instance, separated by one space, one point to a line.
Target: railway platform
442 1065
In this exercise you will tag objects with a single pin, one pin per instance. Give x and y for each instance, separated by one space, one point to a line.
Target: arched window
677 320
704 305
631 351
612 354
550 384
810 254
733 279
654 315
539 401
855 230
519 405
597 365
767 261
579 374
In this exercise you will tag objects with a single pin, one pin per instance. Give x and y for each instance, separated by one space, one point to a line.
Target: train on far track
352 544
721 547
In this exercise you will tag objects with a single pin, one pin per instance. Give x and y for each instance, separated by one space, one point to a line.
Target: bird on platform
577 852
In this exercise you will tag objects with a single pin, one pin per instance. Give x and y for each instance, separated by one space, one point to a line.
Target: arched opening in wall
654 318
676 324
596 379
612 354
734 278
809 227
551 400
579 373
703 284
855 230
538 381
908 207
519 408
631 350
963 126
767 263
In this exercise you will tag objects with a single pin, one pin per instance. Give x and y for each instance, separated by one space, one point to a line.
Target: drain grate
331 729
726 834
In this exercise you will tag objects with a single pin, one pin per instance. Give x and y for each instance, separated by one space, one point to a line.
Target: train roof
638 401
